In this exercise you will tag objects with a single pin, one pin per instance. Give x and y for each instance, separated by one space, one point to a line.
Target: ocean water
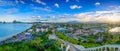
9 30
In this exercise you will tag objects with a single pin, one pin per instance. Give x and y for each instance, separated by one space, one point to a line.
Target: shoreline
14 35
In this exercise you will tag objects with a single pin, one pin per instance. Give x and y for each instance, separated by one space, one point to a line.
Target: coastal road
72 48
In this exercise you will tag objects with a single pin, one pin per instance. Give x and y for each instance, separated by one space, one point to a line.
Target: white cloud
99 16
19 1
77 0
40 2
56 5
35 19
52 17
62 20
97 3
66 14
22 2
9 11
7 3
16 1
67 0
75 7
8 18
47 9
12 10
39 17
108 16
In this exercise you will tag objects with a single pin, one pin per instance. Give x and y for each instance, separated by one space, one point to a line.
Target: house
61 29
28 36
30 30
52 30
21 37
115 30
71 28
98 29
42 29
53 36
100 38
78 32
95 32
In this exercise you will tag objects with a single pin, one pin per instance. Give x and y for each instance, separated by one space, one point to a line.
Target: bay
11 29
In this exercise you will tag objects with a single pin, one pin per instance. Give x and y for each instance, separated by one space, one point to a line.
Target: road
72 48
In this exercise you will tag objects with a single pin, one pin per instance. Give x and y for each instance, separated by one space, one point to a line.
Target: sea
10 29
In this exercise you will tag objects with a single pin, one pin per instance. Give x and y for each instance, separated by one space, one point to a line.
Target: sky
60 10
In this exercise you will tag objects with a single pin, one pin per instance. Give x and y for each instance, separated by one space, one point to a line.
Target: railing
99 48
104 48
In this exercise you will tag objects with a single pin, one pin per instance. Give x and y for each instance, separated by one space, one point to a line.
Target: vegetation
64 37
40 42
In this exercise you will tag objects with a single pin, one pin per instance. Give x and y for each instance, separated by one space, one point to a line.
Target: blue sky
58 10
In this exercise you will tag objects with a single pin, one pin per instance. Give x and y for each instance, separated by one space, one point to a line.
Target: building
53 36
41 29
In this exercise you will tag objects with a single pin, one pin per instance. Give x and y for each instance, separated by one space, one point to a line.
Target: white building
115 30
41 29
53 36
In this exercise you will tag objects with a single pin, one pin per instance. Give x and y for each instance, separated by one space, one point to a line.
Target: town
59 25
66 36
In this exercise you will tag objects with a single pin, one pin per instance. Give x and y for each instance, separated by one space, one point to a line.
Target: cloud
97 3
56 5
77 0
66 14
7 3
67 0
19 1
47 9
16 1
39 17
9 11
65 19
36 18
22 2
51 17
99 16
8 18
75 7
12 10
40 2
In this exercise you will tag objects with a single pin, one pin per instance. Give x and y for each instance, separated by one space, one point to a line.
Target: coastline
13 35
